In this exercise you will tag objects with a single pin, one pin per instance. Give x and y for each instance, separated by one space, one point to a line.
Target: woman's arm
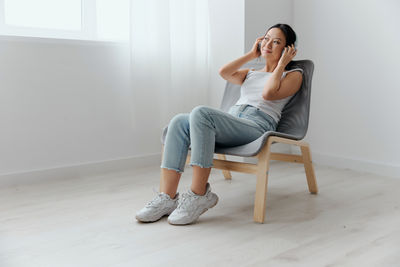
231 72
273 83
277 88
232 67
287 87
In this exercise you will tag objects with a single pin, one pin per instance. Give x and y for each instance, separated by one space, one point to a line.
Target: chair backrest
295 114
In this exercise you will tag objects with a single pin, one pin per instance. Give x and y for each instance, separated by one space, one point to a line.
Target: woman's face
273 43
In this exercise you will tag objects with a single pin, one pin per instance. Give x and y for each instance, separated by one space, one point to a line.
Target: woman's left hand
288 54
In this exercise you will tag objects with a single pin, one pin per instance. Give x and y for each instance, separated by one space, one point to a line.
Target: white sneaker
191 206
161 205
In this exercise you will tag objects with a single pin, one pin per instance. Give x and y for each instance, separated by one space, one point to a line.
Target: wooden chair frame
261 169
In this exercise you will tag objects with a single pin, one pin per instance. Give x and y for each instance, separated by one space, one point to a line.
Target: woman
263 95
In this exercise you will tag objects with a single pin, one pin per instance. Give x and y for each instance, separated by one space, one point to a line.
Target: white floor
89 221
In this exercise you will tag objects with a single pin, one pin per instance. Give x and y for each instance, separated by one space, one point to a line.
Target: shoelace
185 200
156 199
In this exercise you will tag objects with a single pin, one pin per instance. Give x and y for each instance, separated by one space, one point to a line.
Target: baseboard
76 171
149 160
374 167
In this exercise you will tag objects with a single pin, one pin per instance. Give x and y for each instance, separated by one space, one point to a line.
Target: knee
179 120
199 113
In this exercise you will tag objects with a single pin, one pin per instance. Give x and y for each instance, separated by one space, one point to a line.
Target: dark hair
289 33
290 36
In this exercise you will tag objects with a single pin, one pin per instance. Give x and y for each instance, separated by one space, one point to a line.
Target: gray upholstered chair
291 129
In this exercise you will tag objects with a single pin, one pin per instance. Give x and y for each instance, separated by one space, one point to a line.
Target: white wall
262 14
355 94
226 42
66 103
63 103
69 103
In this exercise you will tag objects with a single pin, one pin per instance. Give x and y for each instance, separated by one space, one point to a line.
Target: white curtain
169 59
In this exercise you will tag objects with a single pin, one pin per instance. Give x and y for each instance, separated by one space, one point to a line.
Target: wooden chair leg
262 183
309 169
226 173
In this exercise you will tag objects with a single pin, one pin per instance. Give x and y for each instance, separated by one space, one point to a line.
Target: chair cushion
248 150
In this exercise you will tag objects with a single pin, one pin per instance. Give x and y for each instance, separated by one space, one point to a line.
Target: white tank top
251 90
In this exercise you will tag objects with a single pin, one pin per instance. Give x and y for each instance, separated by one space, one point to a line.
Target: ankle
171 195
198 192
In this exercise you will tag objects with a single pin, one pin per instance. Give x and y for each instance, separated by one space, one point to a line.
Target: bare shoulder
293 79
298 75
299 71
295 76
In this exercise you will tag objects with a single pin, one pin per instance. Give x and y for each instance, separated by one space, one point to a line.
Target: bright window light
102 20
112 19
49 14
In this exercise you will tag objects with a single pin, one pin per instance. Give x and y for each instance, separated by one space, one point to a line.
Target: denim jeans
205 127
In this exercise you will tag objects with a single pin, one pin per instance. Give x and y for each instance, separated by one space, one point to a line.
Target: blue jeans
204 128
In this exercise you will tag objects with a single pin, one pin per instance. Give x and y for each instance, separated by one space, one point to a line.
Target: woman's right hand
254 50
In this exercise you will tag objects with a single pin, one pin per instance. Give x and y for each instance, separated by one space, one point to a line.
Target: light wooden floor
89 221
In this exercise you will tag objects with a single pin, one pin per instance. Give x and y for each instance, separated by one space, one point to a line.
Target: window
63 15
113 19
66 19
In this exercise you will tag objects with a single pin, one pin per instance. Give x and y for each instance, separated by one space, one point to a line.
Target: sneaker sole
197 217
143 221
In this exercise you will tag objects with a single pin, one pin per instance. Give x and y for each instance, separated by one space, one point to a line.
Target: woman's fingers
291 50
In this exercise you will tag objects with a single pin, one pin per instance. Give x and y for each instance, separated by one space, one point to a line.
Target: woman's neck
270 66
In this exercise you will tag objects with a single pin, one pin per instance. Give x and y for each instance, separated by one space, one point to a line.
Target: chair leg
262 183
226 173
309 169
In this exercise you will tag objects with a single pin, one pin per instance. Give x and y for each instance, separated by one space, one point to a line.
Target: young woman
264 93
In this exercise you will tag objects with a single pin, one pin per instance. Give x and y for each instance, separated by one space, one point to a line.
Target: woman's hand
288 54
254 52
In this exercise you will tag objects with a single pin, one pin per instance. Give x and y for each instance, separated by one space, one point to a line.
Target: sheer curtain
169 50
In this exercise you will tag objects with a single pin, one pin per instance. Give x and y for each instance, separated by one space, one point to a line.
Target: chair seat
247 150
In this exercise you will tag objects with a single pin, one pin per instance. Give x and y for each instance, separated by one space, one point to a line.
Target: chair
291 129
